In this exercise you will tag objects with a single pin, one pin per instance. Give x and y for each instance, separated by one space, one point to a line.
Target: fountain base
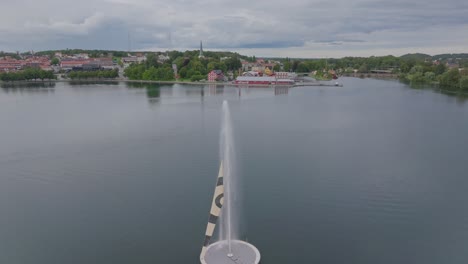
242 252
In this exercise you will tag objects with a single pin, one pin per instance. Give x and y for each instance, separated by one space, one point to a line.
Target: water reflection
212 89
92 83
461 97
153 90
281 90
39 87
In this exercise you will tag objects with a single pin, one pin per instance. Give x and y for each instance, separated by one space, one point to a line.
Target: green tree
197 77
404 67
464 83
54 61
135 71
440 69
363 68
294 65
150 74
450 79
429 76
183 73
233 64
287 66
416 69
302 67
165 74
151 60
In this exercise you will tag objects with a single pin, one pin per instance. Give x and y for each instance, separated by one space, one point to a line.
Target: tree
287 66
404 67
464 83
196 66
295 65
54 61
440 69
165 74
150 74
211 66
450 79
416 69
197 77
363 68
233 64
429 76
135 71
151 60
302 67
183 73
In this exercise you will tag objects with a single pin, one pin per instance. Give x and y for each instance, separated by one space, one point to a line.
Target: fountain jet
229 249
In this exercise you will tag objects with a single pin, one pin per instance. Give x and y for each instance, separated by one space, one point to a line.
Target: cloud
299 27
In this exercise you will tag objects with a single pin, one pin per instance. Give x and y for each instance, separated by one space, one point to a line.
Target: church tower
201 51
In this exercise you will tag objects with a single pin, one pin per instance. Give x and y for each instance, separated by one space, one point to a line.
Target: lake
372 172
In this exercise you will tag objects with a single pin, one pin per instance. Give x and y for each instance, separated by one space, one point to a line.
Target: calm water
372 172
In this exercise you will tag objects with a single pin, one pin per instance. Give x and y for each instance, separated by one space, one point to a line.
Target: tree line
107 74
189 66
27 75
411 68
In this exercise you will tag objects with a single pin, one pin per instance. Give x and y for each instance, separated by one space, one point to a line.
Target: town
449 70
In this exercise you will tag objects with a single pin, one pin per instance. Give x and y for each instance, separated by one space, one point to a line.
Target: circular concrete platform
242 252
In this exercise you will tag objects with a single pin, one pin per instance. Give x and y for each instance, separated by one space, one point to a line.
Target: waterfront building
215 75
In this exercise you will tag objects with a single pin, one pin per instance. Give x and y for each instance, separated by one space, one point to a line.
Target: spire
201 50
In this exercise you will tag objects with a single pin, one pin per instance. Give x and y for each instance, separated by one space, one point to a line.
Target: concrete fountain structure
229 249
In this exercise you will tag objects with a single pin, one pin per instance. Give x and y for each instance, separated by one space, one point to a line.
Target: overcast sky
294 28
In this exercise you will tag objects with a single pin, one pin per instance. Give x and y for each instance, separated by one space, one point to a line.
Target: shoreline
109 80
318 83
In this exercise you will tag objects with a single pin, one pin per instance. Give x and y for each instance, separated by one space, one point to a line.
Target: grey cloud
222 24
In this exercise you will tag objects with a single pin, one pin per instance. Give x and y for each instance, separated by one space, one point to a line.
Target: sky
294 28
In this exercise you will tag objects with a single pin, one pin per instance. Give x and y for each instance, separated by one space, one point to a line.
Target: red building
215 75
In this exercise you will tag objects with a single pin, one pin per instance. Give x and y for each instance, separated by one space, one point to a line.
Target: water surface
372 172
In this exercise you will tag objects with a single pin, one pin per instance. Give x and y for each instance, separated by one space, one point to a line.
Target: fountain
229 249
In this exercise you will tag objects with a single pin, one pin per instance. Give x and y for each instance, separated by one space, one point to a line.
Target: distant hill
443 57
450 56
416 56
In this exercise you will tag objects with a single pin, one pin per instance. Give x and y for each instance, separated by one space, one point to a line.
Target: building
133 59
452 65
9 64
162 58
216 75
70 64
104 63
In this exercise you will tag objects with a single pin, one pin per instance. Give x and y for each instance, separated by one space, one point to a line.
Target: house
92 66
82 56
251 74
105 63
133 59
452 65
162 58
9 64
6 68
269 66
70 64
215 75
283 75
